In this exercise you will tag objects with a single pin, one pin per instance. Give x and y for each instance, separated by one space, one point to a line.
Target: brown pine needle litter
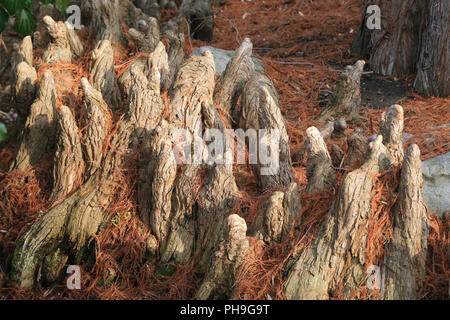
304 46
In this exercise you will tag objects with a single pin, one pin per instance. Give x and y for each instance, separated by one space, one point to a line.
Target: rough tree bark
230 254
413 39
346 98
260 110
38 134
189 206
276 217
336 257
231 83
25 77
406 264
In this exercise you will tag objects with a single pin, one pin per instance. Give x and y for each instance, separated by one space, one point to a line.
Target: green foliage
61 5
25 22
3 18
13 6
120 217
2 131
165 271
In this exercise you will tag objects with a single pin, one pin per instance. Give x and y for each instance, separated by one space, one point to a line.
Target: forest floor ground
304 46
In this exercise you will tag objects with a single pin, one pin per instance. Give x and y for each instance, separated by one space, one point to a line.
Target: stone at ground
222 57
405 136
436 189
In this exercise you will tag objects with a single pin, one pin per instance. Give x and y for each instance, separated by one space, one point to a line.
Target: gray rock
436 188
405 137
222 57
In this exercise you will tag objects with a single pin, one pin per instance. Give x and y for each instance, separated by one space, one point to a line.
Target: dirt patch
379 92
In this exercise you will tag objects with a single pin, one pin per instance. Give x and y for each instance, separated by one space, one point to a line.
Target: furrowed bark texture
232 82
358 148
85 166
260 111
147 35
406 264
69 165
276 217
25 77
104 18
215 202
433 67
38 134
346 98
184 198
194 84
74 42
64 231
413 38
332 129
337 250
336 258
229 256
58 50
101 73
25 87
319 169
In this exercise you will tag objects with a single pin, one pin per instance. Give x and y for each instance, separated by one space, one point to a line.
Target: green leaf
13 6
4 16
25 22
46 2
3 131
62 5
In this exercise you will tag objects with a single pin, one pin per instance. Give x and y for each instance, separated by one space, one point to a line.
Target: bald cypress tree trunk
413 39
